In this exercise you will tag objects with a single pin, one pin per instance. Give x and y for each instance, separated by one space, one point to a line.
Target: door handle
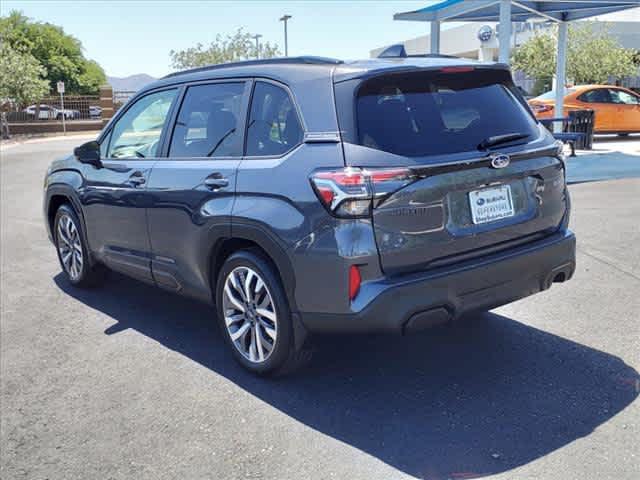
137 179
216 182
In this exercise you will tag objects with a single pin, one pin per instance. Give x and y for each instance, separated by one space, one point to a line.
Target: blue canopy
521 11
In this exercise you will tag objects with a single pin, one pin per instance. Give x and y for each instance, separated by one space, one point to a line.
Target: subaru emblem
500 161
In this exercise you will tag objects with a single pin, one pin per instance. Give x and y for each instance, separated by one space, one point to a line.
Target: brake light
541 107
354 281
456 69
353 192
389 174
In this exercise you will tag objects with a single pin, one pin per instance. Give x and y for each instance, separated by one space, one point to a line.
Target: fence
80 113
76 108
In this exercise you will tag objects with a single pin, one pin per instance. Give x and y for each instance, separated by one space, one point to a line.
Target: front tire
72 249
254 314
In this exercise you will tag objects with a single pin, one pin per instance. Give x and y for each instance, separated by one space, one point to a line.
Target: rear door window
274 128
208 122
432 113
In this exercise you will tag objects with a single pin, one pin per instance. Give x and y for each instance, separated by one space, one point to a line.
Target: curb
38 138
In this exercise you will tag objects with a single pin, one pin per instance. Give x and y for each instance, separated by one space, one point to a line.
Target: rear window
431 113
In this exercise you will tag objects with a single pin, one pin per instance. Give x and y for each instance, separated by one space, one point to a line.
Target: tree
231 48
59 53
92 78
21 81
21 77
592 55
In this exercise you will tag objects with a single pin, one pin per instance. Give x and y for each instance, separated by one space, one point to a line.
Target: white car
47 112
95 111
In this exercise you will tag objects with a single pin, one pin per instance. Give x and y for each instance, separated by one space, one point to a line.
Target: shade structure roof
521 11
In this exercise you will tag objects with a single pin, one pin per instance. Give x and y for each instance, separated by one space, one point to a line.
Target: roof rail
398 51
308 60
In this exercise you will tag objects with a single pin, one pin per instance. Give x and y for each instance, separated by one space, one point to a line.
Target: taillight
354 281
541 107
353 192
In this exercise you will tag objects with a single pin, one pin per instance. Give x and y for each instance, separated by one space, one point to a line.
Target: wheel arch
58 194
250 237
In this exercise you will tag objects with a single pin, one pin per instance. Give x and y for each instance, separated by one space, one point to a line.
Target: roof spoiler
394 51
398 51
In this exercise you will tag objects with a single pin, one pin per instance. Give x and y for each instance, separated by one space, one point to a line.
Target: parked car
306 195
69 114
617 109
48 112
95 111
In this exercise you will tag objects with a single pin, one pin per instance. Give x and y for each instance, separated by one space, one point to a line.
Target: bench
566 137
571 138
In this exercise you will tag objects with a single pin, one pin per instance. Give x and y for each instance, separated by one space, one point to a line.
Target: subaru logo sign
485 33
500 161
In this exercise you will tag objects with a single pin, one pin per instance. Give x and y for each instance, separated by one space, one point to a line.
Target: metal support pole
434 35
284 19
561 74
286 43
64 126
504 36
257 37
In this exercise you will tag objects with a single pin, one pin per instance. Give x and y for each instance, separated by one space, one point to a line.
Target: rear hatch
480 174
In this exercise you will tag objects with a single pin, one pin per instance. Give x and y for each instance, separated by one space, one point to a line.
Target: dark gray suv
306 195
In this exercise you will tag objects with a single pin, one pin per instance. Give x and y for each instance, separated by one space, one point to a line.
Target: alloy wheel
69 246
249 314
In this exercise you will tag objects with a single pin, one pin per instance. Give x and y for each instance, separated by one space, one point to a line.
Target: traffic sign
60 86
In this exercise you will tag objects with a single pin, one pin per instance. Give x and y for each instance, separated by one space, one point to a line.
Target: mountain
132 83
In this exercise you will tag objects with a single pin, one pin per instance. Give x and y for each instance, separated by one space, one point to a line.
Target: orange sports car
617 109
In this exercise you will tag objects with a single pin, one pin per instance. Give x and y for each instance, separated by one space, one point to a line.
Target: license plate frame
491 204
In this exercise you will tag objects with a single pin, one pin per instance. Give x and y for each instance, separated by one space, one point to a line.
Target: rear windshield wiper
498 139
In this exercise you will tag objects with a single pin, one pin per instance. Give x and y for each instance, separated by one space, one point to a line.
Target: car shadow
480 397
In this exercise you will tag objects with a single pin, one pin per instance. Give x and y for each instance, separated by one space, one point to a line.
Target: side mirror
89 153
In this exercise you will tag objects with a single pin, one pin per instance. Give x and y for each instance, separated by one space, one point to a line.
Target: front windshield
551 94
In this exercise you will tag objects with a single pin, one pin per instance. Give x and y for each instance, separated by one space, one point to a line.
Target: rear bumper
417 301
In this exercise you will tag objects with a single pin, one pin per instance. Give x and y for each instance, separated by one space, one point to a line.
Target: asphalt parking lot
130 382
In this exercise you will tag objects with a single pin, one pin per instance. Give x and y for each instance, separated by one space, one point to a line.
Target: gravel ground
130 382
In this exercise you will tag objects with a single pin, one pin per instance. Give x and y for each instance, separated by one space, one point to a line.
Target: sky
128 37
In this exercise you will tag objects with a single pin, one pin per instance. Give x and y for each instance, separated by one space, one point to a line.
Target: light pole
257 38
284 19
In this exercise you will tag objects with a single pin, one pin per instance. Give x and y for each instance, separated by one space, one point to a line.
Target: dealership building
480 40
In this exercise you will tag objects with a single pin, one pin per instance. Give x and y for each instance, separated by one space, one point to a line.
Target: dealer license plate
491 204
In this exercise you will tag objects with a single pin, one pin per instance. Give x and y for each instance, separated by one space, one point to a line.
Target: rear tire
72 250
254 315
